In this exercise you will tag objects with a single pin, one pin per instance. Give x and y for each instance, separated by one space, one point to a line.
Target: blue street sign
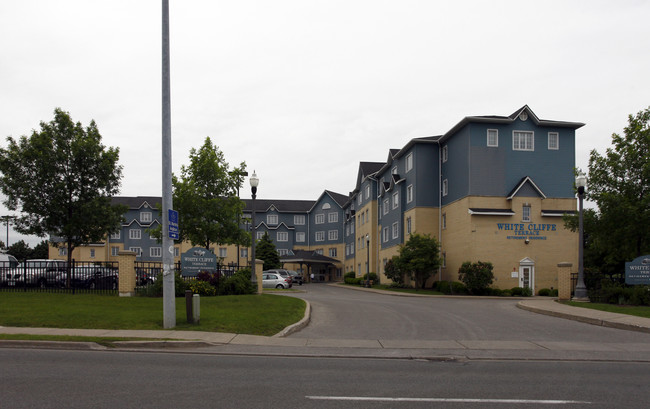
173 225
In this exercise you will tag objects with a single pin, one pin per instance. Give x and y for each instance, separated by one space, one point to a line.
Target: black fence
149 273
58 276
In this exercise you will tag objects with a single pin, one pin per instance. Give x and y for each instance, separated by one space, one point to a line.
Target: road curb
298 325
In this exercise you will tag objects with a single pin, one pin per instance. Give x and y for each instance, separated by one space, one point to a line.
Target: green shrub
544 292
202 288
527 292
373 277
451 287
359 281
477 277
554 292
517 291
349 274
156 288
496 292
506 293
238 284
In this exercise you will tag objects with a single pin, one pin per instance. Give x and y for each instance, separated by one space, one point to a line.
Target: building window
409 193
282 236
553 140
360 199
368 191
320 236
333 235
155 252
115 251
145 217
223 252
135 234
136 250
393 171
395 200
177 251
444 259
333 217
332 251
523 141
92 253
445 154
243 253
319 251
409 161
444 221
386 206
320 218
299 220
525 213
271 219
384 234
259 235
408 225
445 187
395 230
115 236
492 137
283 252
300 237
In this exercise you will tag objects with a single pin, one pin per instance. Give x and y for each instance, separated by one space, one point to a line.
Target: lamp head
581 183
254 181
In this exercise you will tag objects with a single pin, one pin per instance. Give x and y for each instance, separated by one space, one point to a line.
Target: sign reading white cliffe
523 231
197 259
638 271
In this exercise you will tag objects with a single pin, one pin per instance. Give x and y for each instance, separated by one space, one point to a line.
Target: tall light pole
169 297
581 289
368 260
244 174
254 181
6 219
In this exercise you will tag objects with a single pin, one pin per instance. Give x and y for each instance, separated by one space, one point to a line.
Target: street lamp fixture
581 289
368 261
254 181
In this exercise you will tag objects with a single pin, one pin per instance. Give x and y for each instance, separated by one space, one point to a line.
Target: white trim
409 193
496 139
522 133
557 141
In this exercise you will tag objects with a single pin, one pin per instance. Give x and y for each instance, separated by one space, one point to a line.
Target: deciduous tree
61 179
419 258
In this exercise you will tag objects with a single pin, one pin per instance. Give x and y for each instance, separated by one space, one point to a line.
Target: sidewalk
224 343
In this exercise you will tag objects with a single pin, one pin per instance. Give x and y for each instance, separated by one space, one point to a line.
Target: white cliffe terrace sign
197 259
638 271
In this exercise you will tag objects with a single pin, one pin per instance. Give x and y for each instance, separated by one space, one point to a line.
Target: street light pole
254 181
368 261
581 289
6 219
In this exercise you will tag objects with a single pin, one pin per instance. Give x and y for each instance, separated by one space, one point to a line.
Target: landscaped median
241 314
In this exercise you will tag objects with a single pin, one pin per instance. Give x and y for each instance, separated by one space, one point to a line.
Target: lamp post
7 219
244 174
254 181
581 289
368 261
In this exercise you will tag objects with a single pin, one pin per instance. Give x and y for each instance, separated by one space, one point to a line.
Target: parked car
274 280
92 276
296 277
281 272
7 263
38 272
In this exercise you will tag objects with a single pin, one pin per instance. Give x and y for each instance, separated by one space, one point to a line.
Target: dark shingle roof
136 202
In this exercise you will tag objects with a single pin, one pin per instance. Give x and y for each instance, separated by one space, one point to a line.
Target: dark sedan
91 277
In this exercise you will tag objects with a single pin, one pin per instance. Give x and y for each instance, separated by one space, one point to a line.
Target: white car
40 272
7 263
274 280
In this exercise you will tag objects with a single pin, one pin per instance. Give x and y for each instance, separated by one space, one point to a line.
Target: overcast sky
302 91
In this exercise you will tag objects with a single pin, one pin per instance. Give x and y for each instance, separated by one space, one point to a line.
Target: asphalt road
342 313
114 379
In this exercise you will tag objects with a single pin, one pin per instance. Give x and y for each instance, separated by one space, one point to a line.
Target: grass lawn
639 311
245 314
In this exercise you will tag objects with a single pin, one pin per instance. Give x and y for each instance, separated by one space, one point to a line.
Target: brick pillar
126 260
564 281
259 267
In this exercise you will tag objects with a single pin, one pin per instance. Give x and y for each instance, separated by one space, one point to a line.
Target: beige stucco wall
478 238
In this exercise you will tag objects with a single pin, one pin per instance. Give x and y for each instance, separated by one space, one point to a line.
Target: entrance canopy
308 257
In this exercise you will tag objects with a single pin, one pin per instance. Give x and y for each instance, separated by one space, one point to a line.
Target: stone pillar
564 281
259 267
126 260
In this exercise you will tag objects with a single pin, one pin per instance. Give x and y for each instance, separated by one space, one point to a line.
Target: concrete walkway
224 343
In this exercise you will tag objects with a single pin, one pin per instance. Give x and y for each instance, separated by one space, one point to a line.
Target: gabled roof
368 169
523 182
282 206
137 202
495 119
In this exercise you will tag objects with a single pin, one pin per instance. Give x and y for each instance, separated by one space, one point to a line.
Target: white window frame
395 228
360 199
445 153
525 213
319 218
386 205
384 234
409 161
282 236
155 251
368 191
320 236
177 251
272 219
243 252
92 253
409 193
115 236
146 217
300 237
332 252
259 235
445 187
135 234
494 133
333 235
299 219
554 137
395 200
523 141
223 252
136 250
333 217
408 225
283 252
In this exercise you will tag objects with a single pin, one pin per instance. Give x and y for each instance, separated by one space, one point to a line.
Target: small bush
238 284
451 287
373 277
517 291
544 292
527 292
554 292
506 293
349 274
202 288
496 292
477 277
156 289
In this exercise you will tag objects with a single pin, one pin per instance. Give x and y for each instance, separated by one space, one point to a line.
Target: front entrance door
527 275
